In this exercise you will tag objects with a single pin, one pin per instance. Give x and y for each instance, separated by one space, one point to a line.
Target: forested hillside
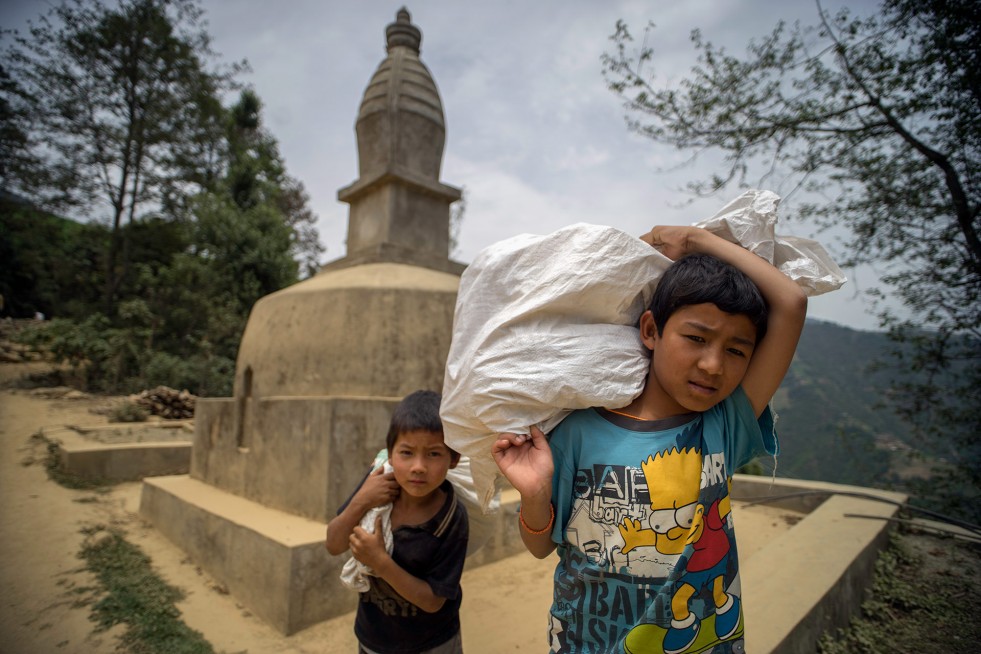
835 423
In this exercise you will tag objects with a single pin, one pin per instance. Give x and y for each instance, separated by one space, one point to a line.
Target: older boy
637 500
413 603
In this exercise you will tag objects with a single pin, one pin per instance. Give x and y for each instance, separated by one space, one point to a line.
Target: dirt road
47 591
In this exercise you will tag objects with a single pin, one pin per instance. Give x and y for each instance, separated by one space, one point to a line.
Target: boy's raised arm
786 301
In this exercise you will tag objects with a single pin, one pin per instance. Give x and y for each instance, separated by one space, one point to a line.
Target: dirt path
39 569
46 599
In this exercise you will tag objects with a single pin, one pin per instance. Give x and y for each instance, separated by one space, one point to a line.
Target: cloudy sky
534 138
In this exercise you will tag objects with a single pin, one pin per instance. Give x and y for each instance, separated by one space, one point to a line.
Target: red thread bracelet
551 519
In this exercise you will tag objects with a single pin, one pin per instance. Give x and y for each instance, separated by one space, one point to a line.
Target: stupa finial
402 32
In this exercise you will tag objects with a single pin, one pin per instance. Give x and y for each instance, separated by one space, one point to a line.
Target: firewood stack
166 402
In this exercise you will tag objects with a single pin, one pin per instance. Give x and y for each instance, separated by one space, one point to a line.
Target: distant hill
833 423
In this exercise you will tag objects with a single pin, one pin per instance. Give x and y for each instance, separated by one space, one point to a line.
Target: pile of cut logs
166 402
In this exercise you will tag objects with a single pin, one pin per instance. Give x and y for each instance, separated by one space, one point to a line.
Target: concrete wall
305 455
423 220
125 461
273 563
812 579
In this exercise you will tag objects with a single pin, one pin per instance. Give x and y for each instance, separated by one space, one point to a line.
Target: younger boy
413 603
637 500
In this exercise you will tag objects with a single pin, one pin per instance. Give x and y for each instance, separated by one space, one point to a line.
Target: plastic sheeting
547 324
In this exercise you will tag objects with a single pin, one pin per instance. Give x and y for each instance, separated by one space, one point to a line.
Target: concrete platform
805 571
123 451
806 561
273 562
125 461
814 577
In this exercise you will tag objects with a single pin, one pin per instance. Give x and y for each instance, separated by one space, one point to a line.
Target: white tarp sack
547 324
750 220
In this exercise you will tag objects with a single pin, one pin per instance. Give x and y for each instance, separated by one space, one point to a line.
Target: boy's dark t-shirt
435 552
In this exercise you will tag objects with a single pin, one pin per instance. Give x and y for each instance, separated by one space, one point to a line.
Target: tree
16 158
242 243
873 124
204 218
120 109
457 212
256 174
50 265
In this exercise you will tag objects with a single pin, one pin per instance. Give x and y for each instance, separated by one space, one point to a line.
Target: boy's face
699 359
420 460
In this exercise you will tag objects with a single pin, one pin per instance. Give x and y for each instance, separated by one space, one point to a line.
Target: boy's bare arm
369 549
378 489
526 461
786 302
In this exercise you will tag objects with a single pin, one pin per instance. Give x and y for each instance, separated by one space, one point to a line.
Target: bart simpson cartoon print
679 518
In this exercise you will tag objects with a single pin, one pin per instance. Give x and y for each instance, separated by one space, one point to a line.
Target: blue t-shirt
644 530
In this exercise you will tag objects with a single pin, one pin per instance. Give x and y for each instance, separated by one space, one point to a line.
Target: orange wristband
551 519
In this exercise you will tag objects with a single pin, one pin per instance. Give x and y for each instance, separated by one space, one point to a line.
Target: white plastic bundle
355 574
548 324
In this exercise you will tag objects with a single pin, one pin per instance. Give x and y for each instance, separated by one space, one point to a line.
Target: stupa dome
379 330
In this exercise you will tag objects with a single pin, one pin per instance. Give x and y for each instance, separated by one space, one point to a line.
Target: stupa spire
400 211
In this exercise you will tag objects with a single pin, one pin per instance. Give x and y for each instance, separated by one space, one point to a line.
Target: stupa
322 363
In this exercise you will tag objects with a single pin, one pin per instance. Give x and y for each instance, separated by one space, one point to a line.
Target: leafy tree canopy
116 111
256 173
203 217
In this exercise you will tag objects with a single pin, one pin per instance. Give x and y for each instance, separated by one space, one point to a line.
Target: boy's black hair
418 410
699 278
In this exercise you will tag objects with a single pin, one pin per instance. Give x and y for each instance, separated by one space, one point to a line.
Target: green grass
923 599
133 595
63 478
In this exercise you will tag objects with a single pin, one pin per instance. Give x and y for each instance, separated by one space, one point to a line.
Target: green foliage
118 108
256 175
128 412
903 608
123 359
16 158
873 124
204 218
247 251
138 598
51 264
